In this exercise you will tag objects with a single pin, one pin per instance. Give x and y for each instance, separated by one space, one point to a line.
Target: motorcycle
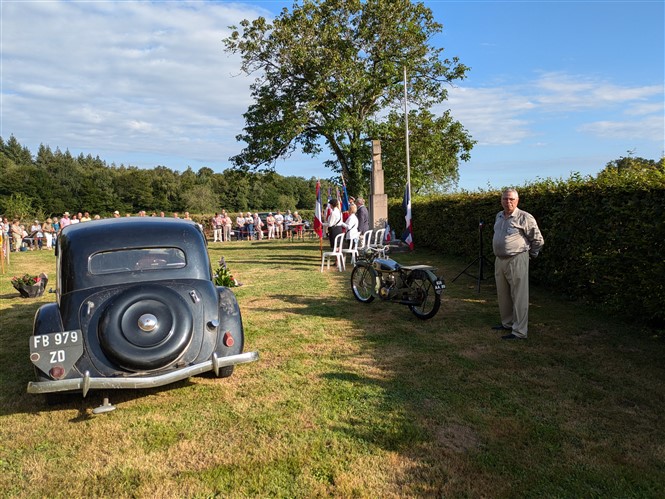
375 275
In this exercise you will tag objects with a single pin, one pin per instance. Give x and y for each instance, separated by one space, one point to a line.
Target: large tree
327 69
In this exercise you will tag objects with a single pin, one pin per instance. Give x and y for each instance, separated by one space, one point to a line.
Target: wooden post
2 251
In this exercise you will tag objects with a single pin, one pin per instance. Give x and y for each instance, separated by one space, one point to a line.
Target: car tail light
228 339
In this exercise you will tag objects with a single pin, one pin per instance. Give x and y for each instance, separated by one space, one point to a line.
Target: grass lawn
354 400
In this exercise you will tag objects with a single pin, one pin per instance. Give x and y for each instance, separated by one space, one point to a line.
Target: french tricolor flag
407 236
318 223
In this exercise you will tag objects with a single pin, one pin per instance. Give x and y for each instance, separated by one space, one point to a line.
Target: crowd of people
37 236
42 235
255 226
354 222
223 226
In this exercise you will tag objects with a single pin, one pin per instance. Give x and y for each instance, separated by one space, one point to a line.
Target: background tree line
52 182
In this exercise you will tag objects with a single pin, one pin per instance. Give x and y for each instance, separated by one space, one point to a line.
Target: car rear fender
230 321
48 319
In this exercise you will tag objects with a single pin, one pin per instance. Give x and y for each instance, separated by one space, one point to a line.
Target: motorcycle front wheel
363 279
431 301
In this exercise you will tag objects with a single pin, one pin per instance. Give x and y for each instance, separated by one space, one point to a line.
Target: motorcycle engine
387 289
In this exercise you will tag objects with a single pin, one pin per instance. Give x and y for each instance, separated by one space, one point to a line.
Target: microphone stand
481 260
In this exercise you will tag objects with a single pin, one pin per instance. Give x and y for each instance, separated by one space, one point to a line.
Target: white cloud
88 115
575 92
648 108
140 126
509 115
121 69
492 115
650 128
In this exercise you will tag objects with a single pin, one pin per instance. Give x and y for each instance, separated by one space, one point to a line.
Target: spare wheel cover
145 327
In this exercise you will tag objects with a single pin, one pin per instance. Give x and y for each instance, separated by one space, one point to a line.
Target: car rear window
136 260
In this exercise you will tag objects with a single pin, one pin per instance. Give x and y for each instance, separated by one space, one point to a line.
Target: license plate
438 285
61 349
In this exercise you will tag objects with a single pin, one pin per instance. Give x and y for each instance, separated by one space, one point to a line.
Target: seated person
299 227
25 238
36 235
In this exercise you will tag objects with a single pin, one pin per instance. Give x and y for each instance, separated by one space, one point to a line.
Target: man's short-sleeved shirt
515 234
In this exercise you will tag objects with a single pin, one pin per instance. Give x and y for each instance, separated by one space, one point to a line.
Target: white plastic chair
335 253
378 239
351 250
366 239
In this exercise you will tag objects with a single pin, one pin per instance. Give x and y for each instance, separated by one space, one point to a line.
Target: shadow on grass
16 370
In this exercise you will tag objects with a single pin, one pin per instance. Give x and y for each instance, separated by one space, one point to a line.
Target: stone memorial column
378 199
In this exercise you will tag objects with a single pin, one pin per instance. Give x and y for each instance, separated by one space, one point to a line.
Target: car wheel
145 328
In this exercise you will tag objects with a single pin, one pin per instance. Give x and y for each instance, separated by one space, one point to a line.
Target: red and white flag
407 236
318 224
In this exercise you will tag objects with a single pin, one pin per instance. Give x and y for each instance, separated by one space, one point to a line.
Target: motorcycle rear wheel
431 301
363 279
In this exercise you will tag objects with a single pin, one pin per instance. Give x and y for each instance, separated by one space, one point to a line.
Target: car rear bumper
86 382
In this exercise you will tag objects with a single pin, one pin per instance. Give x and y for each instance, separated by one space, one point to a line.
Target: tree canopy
328 70
630 165
436 145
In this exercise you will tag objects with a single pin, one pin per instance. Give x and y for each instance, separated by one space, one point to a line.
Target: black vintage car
136 307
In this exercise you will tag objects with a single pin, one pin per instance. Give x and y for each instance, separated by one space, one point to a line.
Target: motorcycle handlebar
377 249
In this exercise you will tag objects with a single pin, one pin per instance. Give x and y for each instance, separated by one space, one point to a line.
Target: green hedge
604 237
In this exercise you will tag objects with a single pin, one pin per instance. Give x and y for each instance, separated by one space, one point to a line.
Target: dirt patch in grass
456 438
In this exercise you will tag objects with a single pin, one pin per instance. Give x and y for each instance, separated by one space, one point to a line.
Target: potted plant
30 286
223 276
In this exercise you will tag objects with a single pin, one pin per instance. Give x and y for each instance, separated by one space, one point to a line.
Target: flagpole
406 123
318 217
407 194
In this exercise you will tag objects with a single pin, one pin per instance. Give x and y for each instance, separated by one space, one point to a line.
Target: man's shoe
511 336
501 327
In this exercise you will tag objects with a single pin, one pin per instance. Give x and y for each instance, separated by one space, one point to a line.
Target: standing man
216 223
334 222
516 239
279 224
228 223
288 220
65 220
363 217
17 234
240 223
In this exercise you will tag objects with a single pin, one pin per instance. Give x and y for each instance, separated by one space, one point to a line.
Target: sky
556 88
